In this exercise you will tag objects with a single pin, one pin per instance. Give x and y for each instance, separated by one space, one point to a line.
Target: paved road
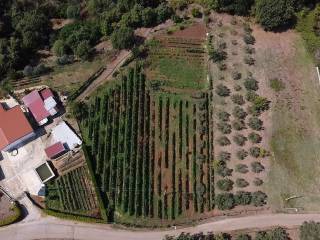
52 228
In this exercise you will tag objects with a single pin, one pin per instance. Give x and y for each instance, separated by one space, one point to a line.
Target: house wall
20 142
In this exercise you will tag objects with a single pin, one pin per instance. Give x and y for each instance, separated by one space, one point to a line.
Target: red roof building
14 128
55 150
41 104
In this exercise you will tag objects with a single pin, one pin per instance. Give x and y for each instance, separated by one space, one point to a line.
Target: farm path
52 228
122 56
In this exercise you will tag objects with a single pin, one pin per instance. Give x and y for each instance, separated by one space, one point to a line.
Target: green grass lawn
180 73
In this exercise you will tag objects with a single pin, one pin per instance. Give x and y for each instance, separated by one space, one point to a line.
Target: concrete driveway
19 174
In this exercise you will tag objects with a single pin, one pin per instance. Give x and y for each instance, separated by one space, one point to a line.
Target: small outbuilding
64 134
55 150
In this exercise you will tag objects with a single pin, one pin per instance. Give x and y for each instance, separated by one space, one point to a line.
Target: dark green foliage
259 199
222 169
224 156
257 167
122 38
254 137
257 182
236 75
222 90
239 7
239 113
224 128
251 96
241 183
239 139
255 152
279 233
272 14
242 168
255 123
251 84
242 198
238 99
260 104
238 125
59 48
249 39
225 184
217 55
83 50
223 141
223 116
196 12
310 231
243 237
242 154
225 201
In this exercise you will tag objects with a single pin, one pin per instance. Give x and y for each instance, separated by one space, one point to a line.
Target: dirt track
52 228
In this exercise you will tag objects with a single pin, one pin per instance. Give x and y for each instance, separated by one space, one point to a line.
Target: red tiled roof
38 110
46 93
31 97
13 126
54 150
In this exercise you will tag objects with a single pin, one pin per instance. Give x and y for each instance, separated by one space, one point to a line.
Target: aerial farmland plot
154 138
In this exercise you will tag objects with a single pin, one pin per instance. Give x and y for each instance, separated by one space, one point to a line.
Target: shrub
249 39
255 137
276 84
255 152
257 167
243 237
251 96
222 66
222 45
223 116
310 230
242 168
217 55
272 14
241 183
262 235
239 113
65 59
224 156
234 42
224 128
249 60
222 90
225 201
196 13
242 154
242 198
255 123
279 233
225 184
247 29
237 87
59 48
257 182
122 38
249 50
236 75
239 139
83 49
259 199
223 141
251 84
260 104
238 125
237 99
222 169
28 71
